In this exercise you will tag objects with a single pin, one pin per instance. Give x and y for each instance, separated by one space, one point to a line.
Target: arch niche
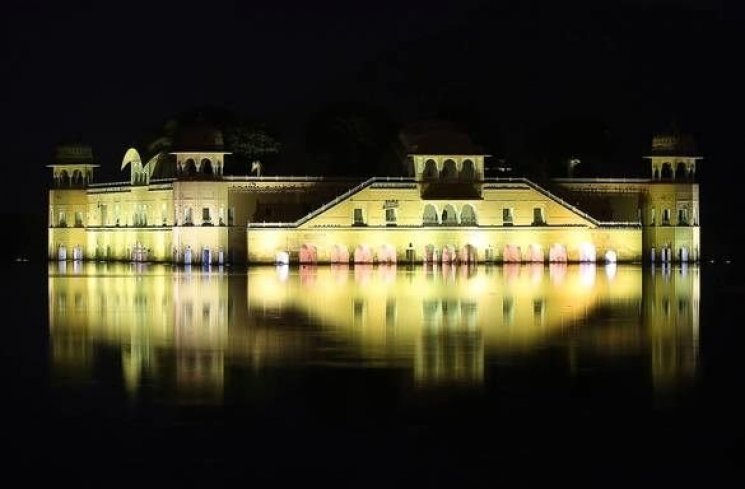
449 217
429 216
449 170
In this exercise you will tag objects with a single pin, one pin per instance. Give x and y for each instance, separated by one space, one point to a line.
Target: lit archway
448 254
587 253
468 216
339 254
387 254
557 253
363 254
308 254
468 254
449 217
429 217
535 253
611 256
683 254
430 254
511 254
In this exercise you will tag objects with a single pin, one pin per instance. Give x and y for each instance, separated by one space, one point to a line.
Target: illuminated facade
181 207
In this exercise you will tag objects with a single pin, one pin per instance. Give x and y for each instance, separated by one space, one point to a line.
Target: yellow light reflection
184 327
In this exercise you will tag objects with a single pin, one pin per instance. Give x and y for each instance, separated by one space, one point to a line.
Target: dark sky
520 76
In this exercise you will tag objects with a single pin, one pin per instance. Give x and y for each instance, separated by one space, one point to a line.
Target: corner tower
72 171
672 231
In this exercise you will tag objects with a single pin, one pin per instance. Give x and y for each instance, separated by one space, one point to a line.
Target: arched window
64 179
430 170
429 218
207 167
449 170
190 168
468 216
667 171
680 171
449 217
468 172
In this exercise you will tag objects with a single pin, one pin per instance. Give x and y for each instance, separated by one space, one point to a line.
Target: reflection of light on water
283 271
511 272
587 274
557 273
536 273
443 323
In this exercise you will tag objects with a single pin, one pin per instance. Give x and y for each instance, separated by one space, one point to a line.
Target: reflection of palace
182 207
442 323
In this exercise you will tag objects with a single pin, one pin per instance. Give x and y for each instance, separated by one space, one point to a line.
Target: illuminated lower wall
328 244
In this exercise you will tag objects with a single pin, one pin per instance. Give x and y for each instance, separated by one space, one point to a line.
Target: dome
673 145
77 153
201 138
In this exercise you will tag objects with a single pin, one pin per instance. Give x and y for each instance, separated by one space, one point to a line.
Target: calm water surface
374 375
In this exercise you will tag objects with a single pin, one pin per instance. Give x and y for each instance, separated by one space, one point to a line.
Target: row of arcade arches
387 254
667 171
449 216
206 167
450 170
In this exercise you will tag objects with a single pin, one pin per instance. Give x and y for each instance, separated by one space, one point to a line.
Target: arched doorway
187 256
667 171
429 217
535 253
387 254
308 254
206 256
207 167
190 168
680 171
468 216
449 170
282 258
587 253
430 170
339 254
611 256
363 254
468 254
511 254
683 254
449 217
430 254
557 253
61 252
468 172
448 254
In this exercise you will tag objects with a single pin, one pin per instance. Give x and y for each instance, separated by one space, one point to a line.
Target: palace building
181 207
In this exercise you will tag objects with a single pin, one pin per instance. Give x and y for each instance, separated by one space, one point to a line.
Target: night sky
530 81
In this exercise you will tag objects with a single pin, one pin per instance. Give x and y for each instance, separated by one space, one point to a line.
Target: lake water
377 375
